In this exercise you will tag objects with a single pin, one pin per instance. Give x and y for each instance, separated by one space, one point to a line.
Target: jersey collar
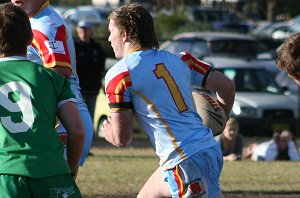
44 5
10 58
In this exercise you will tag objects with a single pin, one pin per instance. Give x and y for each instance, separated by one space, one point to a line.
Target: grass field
119 173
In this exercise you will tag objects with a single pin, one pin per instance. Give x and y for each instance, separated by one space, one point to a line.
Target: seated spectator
231 141
281 147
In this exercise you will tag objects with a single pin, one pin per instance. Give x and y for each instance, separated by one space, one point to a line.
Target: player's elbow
77 134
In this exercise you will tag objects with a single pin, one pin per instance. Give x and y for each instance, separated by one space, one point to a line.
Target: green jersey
30 96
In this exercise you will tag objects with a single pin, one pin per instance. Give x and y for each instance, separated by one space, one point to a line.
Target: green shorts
26 187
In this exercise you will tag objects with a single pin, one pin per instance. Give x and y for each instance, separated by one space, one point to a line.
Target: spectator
90 59
231 141
281 147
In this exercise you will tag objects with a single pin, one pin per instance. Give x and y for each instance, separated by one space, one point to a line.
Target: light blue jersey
148 80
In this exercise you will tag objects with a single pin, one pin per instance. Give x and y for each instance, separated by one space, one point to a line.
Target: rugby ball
211 112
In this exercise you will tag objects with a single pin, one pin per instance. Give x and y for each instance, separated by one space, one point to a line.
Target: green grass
115 172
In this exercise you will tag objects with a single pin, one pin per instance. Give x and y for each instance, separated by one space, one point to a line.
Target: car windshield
229 48
198 48
240 48
252 80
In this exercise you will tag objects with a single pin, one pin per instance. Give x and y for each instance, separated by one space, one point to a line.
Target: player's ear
125 37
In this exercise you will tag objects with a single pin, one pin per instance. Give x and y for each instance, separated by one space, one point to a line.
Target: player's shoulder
117 68
165 53
47 19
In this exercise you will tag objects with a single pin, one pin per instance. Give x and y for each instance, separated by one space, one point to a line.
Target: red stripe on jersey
52 58
178 180
195 64
117 86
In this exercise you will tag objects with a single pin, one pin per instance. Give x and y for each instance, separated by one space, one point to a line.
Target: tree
270 9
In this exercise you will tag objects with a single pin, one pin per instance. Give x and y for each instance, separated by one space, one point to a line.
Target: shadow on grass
136 143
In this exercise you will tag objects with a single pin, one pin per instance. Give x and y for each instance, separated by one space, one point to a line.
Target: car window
70 17
176 47
197 48
240 48
252 80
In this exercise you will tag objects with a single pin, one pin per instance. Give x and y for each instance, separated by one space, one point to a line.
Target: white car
94 15
260 105
223 44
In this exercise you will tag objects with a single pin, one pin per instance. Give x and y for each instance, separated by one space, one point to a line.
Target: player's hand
231 157
107 126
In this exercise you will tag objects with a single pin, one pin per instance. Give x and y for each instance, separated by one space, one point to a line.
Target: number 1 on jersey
162 72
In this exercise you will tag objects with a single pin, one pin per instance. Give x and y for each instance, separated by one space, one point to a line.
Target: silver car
260 105
222 44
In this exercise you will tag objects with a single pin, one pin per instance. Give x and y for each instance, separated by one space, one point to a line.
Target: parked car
260 105
277 31
221 20
283 79
222 44
94 15
61 9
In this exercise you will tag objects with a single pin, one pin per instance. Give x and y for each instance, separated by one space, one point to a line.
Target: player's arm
224 88
62 70
69 115
118 128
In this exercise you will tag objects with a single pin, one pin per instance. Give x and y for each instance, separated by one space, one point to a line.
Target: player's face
230 131
116 40
31 7
84 34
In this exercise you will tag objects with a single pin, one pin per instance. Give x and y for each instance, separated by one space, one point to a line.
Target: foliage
168 25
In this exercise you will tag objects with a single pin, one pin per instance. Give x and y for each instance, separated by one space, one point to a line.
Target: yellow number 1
162 72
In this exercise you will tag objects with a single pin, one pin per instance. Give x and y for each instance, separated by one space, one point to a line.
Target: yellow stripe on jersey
120 87
172 138
179 180
58 63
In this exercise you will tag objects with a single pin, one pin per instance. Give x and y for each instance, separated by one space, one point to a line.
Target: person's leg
155 186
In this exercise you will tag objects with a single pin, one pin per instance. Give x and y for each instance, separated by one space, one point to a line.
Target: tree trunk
270 9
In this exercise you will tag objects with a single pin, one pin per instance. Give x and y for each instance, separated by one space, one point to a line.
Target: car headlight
244 111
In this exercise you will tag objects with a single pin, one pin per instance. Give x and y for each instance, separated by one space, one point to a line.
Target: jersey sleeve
200 70
52 47
118 90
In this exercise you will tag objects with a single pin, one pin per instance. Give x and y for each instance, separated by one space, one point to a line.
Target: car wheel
100 132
